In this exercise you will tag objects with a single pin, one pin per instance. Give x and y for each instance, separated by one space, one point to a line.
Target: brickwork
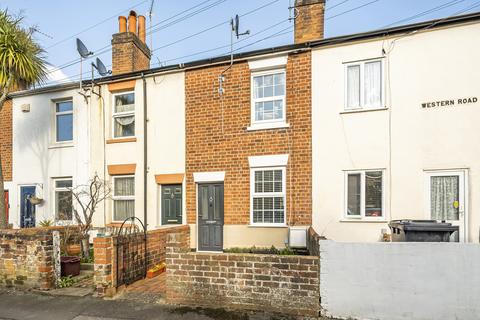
309 23
105 251
6 139
272 283
26 258
211 148
313 242
129 53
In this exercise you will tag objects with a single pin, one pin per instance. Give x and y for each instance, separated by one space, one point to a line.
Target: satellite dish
101 68
82 49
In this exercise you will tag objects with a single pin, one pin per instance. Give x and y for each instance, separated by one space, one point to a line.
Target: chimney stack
309 21
129 49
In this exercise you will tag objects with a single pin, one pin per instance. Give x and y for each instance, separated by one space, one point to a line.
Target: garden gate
131 251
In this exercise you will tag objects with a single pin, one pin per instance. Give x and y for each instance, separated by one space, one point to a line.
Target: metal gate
131 251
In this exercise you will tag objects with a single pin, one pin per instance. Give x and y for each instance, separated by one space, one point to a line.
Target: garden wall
400 281
105 250
27 258
258 282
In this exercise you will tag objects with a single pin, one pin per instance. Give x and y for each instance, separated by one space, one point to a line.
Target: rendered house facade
399 109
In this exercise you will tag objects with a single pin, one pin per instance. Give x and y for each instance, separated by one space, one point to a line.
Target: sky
189 30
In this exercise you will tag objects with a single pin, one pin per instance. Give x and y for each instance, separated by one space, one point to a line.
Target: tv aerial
234 32
84 53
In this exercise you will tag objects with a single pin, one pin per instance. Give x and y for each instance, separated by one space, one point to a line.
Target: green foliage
90 259
46 223
272 250
66 282
22 60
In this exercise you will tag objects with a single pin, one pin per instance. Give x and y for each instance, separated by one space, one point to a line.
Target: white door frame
463 198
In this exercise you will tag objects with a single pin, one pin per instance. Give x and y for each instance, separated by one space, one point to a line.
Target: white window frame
267 124
122 114
283 194
362 105
362 196
55 102
55 190
115 197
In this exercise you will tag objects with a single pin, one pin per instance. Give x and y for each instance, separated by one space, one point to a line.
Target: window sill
58 145
380 220
266 126
267 225
363 110
121 140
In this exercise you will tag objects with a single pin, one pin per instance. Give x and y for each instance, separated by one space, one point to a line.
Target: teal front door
172 204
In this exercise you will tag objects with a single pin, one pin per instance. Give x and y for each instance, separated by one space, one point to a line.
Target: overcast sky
59 22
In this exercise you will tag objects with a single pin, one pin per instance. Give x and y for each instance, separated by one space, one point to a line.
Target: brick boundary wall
26 258
105 250
313 242
278 284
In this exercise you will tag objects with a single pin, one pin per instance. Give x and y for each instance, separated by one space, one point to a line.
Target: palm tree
22 64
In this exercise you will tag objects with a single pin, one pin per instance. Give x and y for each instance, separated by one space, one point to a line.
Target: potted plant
156 270
35 200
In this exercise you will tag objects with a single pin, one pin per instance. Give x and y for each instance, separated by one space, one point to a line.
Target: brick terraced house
247 150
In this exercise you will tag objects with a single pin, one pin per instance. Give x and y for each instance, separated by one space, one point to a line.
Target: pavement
20 305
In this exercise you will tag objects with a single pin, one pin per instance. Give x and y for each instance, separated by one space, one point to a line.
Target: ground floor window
123 197
268 192
63 199
364 194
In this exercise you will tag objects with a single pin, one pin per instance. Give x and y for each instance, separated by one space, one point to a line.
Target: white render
38 159
166 142
399 281
403 139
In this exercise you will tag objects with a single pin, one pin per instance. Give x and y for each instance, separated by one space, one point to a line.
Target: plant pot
35 200
152 273
74 249
70 266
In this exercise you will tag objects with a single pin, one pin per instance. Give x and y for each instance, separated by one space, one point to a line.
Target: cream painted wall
166 141
37 159
244 236
427 66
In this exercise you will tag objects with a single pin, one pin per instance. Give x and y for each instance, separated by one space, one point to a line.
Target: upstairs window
268 97
64 121
364 87
364 194
124 115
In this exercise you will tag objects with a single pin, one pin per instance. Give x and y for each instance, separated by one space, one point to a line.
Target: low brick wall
313 242
273 283
27 258
105 250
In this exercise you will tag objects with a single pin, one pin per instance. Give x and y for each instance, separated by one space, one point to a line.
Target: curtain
124 121
353 86
354 194
373 84
444 192
124 186
123 209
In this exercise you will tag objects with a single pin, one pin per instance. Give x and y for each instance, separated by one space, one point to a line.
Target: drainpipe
145 154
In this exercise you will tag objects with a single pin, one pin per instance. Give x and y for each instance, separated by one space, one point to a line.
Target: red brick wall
278 284
210 149
6 139
26 258
105 250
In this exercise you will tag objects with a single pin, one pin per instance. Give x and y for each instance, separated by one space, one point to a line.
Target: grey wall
400 280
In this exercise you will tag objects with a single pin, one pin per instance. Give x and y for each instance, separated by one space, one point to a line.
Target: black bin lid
422 225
